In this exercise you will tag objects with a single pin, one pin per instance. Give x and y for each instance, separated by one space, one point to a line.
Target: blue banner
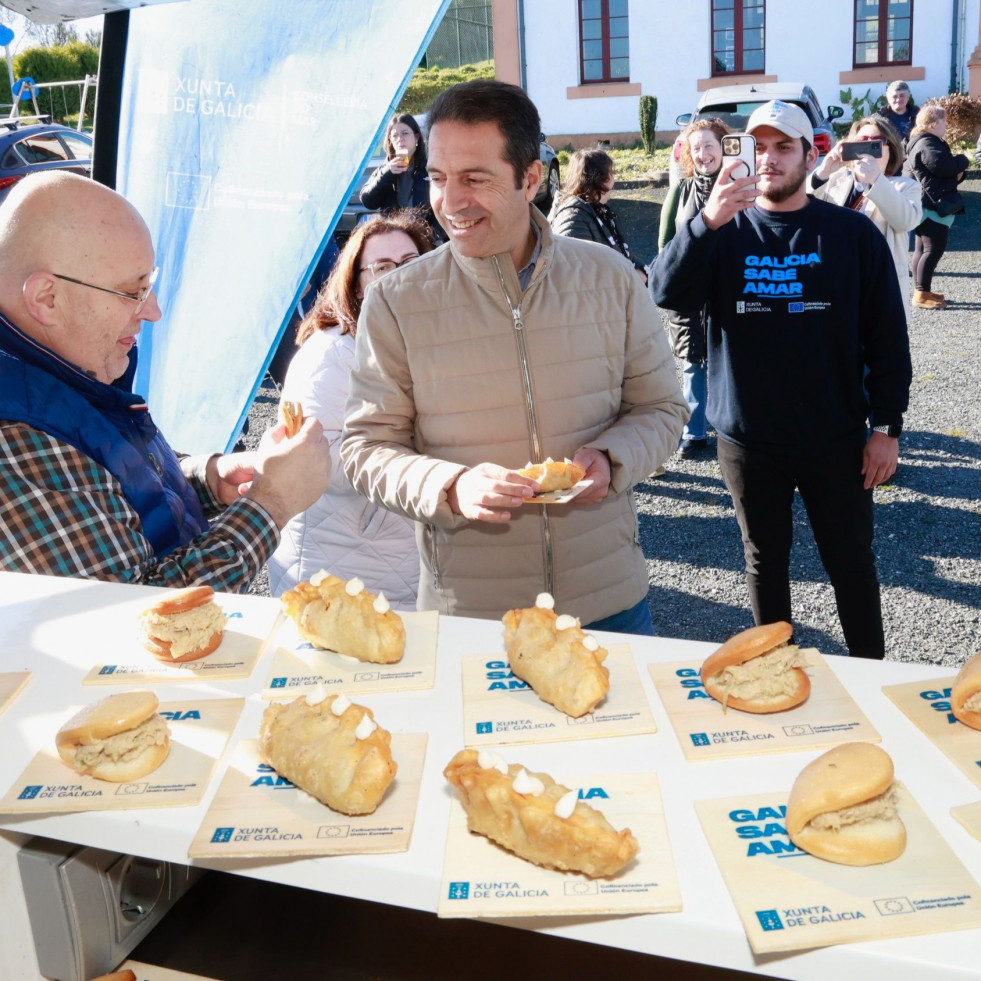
244 126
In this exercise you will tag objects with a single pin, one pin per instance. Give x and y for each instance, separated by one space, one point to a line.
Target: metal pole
109 97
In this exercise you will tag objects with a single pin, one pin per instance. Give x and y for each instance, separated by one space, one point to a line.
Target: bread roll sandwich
758 671
184 626
965 695
119 738
536 818
553 475
551 653
291 416
344 617
842 807
331 748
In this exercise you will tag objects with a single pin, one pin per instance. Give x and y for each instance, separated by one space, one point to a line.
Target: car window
736 114
11 159
42 148
80 148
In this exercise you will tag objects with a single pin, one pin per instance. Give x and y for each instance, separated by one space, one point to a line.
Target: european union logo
459 890
795 307
222 835
278 683
107 669
483 727
769 919
699 739
29 793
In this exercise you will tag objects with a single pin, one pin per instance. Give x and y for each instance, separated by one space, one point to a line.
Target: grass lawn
631 163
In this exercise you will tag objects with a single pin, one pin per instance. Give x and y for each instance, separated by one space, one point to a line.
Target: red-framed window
604 47
883 32
738 35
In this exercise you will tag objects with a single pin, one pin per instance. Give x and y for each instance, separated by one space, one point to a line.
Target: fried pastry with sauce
551 653
344 617
331 748
536 818
553 475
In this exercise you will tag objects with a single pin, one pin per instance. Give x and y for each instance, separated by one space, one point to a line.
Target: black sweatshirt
799 304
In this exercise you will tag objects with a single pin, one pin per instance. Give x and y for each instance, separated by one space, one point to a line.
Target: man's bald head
58 225
61 221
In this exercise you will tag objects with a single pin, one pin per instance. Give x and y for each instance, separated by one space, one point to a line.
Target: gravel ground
928 519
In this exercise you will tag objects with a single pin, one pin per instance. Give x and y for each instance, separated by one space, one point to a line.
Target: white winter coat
342 532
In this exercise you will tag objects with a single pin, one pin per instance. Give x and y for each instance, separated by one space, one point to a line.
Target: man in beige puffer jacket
507 346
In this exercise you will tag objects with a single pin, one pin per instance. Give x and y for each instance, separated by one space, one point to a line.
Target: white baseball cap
788 119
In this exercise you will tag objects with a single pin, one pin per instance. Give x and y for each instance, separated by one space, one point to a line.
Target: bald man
88 485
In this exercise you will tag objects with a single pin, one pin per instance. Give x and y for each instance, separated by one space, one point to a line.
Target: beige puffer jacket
440 385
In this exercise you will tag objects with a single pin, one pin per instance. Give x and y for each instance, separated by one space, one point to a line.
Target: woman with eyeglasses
875 187
402 181
343 532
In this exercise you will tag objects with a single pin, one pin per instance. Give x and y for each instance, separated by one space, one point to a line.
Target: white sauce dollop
354 586
566 804
545 601
590 642
366 727
524 783
340 705
381 605
548 459
565 621
489 760
318 577
316 696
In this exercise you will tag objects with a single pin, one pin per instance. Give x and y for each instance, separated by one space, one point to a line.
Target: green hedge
427 83
67 63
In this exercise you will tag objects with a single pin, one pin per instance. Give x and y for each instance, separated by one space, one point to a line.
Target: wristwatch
894 430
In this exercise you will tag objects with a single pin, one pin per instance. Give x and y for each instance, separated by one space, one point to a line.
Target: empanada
291 416
524 812
552 654
331 748
552 475
344 617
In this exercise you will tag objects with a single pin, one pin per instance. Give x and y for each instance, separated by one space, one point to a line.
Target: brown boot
936 296
926 301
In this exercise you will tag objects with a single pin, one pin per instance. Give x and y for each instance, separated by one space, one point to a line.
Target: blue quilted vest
107 423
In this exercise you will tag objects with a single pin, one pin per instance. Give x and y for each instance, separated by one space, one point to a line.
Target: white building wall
670 52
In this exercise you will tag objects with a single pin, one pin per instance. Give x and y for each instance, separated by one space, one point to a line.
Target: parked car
355 211
26 148
734 104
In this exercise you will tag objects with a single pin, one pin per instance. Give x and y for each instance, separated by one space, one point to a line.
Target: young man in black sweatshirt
807 348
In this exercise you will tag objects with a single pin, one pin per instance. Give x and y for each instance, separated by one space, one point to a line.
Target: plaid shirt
62 514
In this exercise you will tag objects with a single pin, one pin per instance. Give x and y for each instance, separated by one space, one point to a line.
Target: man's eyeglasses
140 297
383 266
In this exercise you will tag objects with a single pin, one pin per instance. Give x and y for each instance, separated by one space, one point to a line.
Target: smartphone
852 150
743 147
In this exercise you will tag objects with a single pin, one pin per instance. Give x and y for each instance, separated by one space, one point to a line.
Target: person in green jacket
701 160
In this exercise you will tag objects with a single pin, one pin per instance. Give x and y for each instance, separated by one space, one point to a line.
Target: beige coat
892 204
451 372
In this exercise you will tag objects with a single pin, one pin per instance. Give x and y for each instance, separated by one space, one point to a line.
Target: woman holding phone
872 184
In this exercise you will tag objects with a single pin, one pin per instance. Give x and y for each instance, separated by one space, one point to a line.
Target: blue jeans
694 387
636 620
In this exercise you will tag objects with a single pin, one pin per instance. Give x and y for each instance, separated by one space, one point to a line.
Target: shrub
427 83
963 117
648 122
